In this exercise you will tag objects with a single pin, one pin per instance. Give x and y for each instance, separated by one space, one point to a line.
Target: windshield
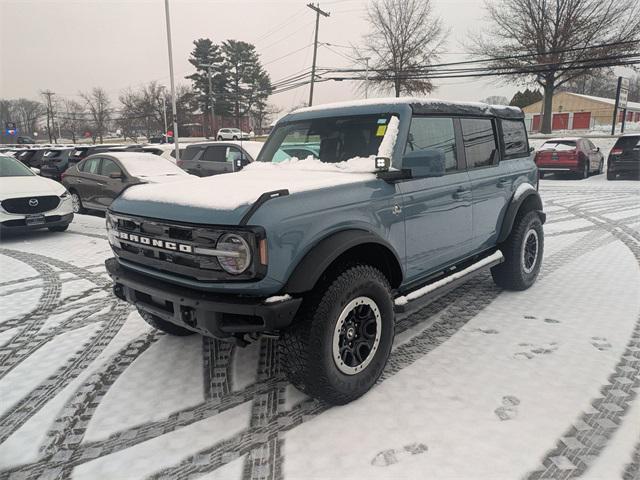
331 140
10 167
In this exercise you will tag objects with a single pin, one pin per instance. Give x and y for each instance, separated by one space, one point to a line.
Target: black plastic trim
262 199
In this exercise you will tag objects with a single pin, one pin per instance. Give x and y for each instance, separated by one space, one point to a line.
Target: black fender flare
316 261
529 196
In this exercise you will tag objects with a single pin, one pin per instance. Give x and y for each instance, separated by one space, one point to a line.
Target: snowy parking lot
482 384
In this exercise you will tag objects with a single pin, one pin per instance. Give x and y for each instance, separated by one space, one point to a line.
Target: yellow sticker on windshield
381 130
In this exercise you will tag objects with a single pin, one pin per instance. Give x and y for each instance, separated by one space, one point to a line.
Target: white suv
232 134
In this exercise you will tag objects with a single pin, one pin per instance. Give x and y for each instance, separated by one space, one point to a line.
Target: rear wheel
342 338
585 171
522 252
219 138
164 326
76 202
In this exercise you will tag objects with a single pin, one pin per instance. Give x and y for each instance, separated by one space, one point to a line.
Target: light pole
212 115
164 108
173 85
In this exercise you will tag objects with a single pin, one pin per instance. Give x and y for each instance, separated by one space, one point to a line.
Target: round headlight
239 253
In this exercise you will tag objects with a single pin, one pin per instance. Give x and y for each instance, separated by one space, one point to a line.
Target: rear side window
215 154
479 142
90 166
433 133
189 153
514 137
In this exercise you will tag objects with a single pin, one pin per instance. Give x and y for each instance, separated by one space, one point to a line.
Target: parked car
624 158
408 199
569 155
22 140
81 152
54 162
31 202
31 157
232 134
166 150
212 158
99 178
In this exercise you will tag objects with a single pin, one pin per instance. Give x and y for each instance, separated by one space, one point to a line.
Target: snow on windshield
148 165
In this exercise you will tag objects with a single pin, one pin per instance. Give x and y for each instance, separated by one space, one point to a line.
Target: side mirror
238 164
597 149
115 175
425 163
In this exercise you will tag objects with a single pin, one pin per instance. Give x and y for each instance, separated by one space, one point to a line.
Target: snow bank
228 192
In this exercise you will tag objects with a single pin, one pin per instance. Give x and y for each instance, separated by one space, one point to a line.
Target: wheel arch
347 245
529 200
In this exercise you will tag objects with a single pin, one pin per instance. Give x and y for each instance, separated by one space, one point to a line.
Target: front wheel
342 338
522 252
76 203
601 167
585 171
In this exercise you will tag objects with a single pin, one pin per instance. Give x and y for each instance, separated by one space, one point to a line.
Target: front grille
27 205
189 265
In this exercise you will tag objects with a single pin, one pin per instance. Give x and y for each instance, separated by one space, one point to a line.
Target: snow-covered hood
13 187
224 199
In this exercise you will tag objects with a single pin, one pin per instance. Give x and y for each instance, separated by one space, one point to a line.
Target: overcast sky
67 46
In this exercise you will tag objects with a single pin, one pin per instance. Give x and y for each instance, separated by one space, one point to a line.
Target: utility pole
211 112
315 8
49 94
366 77
173 85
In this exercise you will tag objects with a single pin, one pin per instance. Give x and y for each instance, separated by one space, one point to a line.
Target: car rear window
559 145
628 143
56 156
514 137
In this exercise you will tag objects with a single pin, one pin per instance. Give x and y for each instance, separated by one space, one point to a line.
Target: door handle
461 193
503 182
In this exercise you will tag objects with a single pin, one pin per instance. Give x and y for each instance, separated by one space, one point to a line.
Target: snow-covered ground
482 384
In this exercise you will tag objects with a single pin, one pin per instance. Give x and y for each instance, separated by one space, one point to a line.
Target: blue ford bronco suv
397 202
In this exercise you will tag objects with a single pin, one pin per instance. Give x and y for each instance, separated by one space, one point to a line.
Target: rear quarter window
514 138
189 153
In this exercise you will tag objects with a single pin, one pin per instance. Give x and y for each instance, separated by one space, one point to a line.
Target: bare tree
24 112
74 119
549 42
99 107
405 37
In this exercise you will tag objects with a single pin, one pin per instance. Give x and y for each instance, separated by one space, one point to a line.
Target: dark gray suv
212 158
404 200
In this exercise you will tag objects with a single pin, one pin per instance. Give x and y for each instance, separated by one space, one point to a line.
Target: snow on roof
609 101
427 103
141 164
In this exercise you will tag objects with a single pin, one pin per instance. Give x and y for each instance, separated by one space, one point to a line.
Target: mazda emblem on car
33 202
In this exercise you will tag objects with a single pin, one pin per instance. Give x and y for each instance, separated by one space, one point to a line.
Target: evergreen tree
523 99
205 52
248 84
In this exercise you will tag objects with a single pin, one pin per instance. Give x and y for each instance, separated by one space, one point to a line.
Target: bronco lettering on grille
157 243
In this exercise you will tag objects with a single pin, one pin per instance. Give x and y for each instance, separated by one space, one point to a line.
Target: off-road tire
511 274
306 347
60 228
611 176
164 326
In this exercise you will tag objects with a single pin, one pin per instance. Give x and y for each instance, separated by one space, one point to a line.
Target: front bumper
19 224
214 315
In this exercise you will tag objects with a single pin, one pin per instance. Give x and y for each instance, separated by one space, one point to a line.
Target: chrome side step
432 291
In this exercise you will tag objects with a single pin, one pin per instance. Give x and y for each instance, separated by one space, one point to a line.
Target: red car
569 155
